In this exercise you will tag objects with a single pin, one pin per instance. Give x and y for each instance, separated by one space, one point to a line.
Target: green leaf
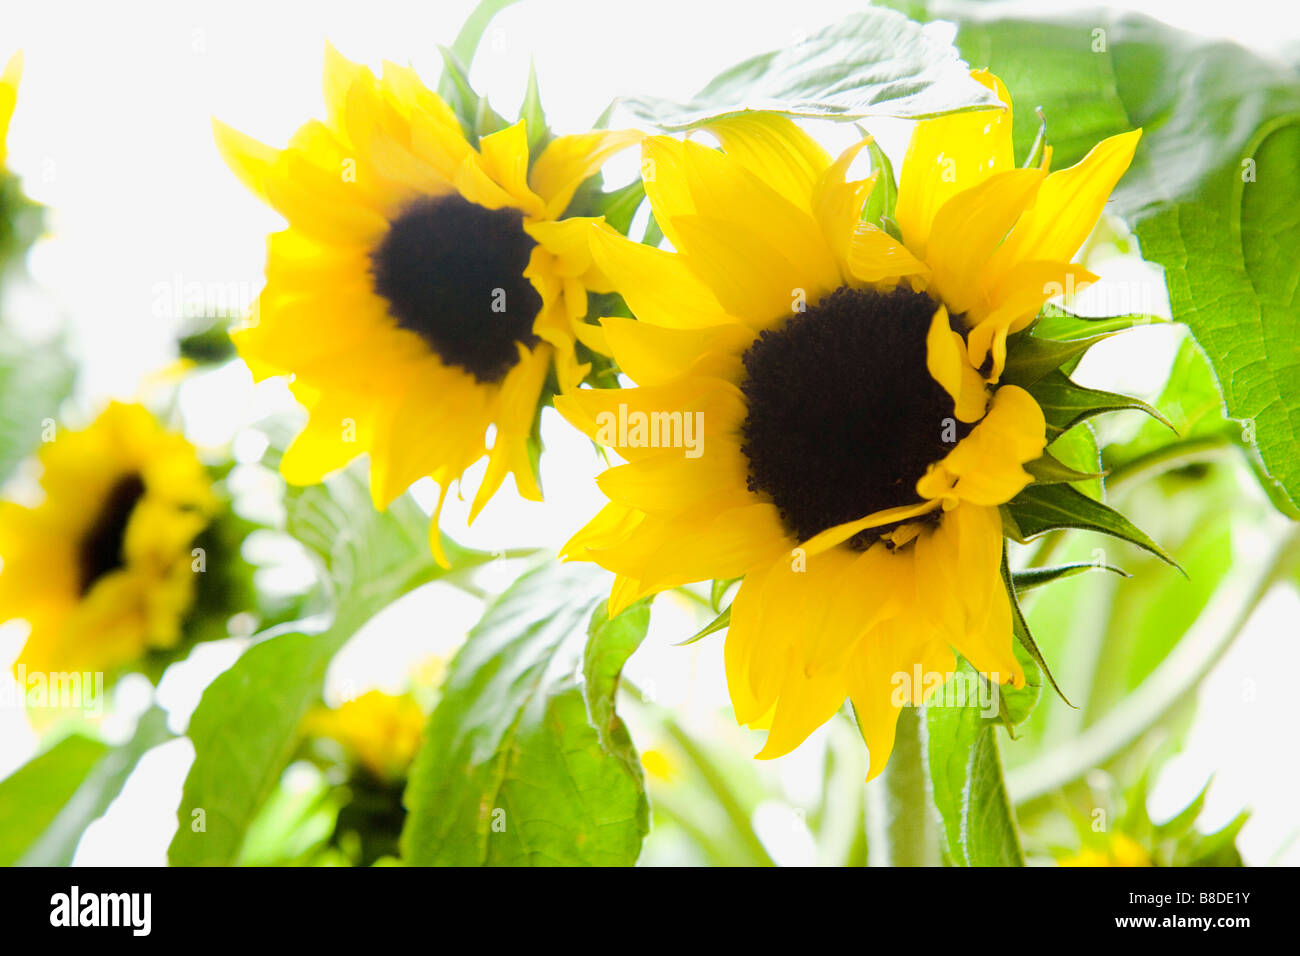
58 841
871 63
477 118
32 796
619 207
1031 578
467 41
245 729
1239 295
1213 194
1041 508
1066 404
511 771
34 381
1031 358
609 644
965 771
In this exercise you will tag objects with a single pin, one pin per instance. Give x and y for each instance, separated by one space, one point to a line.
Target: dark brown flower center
452 272
843 414
101 547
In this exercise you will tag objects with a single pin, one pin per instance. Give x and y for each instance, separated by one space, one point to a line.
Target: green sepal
717 624
1065 403
1041 508
534 117
1031 358
1024 637
1047 469
1031 578
879 207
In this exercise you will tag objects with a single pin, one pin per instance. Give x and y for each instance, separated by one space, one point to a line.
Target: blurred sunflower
379 735
9 78
425 289
102 569
847 444
380 731
1117 850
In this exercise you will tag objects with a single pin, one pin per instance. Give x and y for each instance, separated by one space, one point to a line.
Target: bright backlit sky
112 133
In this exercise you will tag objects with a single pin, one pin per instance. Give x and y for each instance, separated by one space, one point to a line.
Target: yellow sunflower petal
985 467
569 160
837 203
947 155
750 277
874 256
659 288
968 227
505 159
775 150
9 80
1068 205
654 355
945 356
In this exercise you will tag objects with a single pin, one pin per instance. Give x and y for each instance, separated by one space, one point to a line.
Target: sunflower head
427 290
819 408
102 569
380 731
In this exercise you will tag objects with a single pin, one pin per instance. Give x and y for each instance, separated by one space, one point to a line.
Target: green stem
1166 687
726 798
1179 454
901 828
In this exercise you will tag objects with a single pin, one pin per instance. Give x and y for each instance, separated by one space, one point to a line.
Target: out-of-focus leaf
467 42
32 796
511 772
245 729
207 342
871 63
34 381
58 842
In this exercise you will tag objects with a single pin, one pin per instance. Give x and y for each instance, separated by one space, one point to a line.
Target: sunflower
818 408
382 732
1117 850
9 78
102 569
425 289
